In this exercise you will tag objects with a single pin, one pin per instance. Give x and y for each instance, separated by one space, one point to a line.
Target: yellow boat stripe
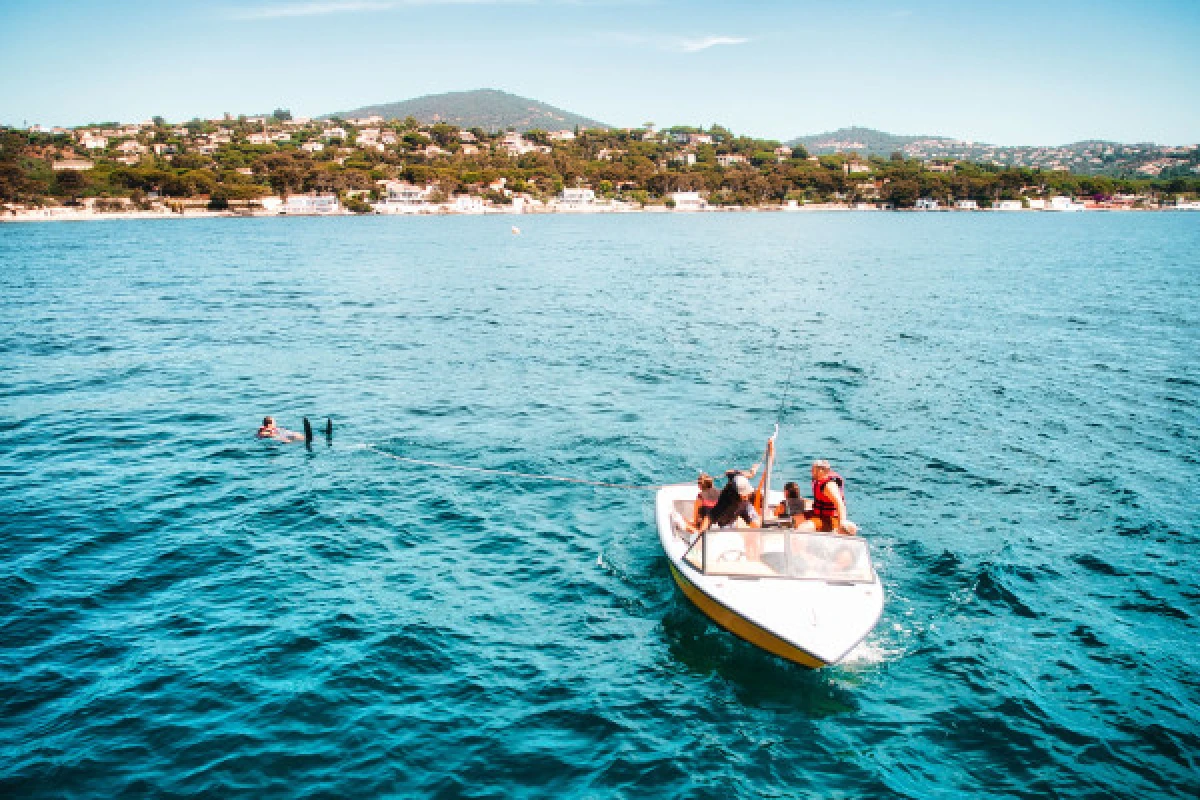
743 628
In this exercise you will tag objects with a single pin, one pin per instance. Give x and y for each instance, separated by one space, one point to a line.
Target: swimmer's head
268 422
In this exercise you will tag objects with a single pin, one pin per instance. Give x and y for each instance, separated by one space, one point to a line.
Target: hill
1090 157
864 141
490 109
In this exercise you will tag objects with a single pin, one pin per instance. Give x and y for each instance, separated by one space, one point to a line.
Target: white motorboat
810 598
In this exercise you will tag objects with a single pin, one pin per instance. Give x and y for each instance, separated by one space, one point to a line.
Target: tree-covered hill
1088 157
490 109
864 141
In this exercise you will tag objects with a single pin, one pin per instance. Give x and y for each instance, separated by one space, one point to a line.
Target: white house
517 145
468 204
312 204
334 133
688 201
561 136
403 198
729 159
73 164
258 138
927 204
1063 204
577 198
968 205
94 142
684 158
1007 205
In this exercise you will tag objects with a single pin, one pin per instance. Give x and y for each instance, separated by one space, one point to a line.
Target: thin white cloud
674 44
326 7
703 43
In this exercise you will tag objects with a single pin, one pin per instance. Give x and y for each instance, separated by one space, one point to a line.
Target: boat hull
743 628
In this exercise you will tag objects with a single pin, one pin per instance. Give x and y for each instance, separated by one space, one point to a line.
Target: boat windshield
783 553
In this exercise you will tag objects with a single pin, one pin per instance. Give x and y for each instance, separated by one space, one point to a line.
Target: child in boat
706 500
793 506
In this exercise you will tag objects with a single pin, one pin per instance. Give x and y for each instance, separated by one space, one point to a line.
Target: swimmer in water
270 430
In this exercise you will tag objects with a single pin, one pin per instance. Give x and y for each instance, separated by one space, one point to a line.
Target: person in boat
828 513
794 507
270 430
706 499
735 502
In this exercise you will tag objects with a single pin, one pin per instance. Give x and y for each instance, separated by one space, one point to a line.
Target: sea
185 610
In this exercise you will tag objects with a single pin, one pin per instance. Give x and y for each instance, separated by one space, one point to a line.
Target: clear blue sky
1011 72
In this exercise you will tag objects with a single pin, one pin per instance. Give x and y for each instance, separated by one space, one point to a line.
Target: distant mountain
490 109
864 141
1091 157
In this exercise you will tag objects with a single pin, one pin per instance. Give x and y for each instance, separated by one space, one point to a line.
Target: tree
903 193
282 114
70 183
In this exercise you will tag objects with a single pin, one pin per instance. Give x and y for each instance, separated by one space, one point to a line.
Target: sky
1015 72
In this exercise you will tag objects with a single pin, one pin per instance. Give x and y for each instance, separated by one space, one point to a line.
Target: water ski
308 434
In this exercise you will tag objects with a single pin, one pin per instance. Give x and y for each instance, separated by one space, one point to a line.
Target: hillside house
72 164
400 193
688 201
468 204
577 198
309 204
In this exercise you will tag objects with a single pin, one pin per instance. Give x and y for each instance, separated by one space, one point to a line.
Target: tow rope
510 473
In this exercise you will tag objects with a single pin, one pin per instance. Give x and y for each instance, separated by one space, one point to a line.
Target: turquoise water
185 610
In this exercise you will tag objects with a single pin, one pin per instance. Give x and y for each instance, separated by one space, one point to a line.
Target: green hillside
871 141
490 109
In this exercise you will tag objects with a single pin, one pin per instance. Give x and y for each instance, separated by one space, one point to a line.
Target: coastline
65 214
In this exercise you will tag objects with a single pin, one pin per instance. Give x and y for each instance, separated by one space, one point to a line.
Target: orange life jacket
823 507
